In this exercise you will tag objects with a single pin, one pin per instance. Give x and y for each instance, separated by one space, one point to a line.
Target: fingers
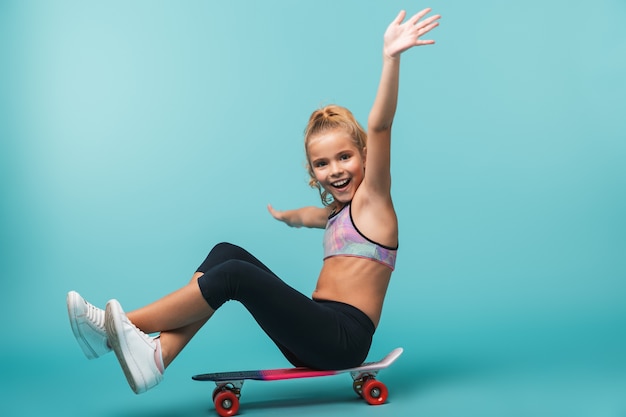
273 212
413 20
398 20
277 214
430 20
423 31
424 42
424 26
427 28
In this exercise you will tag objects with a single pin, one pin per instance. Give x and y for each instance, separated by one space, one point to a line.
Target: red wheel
226 403
374 392
216 391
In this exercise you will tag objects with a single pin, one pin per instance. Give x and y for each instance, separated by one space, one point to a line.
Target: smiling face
337 163
330 131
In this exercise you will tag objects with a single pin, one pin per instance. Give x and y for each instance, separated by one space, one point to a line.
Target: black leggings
312 333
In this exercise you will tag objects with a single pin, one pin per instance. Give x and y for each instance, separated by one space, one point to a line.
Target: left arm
313 217
398 38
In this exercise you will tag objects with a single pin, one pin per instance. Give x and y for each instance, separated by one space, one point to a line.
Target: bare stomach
359 282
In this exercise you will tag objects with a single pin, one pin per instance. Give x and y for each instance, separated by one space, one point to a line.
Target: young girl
334 328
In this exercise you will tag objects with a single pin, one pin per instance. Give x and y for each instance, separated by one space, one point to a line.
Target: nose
335 169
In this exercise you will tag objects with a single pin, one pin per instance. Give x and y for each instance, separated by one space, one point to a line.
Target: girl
331 330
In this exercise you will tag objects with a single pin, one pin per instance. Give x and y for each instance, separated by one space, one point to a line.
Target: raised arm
399 37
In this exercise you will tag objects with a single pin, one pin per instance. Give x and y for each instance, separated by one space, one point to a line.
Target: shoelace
146 336
95 315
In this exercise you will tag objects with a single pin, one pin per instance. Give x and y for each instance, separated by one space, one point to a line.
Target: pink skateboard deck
228 384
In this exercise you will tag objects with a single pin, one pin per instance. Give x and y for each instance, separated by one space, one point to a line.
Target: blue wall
135 135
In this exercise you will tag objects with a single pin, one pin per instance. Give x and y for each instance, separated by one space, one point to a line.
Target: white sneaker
134 349
87 323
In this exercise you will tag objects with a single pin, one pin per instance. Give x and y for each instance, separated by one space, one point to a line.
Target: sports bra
342 238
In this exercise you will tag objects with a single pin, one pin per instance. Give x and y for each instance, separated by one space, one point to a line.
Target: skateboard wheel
216 391
226 403
374 392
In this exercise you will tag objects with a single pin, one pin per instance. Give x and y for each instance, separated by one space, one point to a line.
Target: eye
319 164
345 157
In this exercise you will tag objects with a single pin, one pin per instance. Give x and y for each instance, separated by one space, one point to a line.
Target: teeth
340 183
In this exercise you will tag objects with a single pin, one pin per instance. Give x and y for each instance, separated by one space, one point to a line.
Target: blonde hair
326 119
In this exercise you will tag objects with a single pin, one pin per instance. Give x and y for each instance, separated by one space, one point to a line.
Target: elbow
377 122
379 127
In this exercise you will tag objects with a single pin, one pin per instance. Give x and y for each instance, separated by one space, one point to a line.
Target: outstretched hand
278 215
281 216
401 36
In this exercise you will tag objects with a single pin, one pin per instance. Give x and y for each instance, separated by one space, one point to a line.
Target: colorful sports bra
342 238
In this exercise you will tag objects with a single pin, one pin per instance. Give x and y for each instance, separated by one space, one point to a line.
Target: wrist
390 57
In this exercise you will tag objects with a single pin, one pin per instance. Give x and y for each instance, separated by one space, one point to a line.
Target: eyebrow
342 152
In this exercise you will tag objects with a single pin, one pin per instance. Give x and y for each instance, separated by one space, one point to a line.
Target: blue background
136 135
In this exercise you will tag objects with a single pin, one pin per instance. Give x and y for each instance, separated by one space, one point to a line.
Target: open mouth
341 184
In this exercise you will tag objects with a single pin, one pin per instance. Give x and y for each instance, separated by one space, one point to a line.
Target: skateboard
229 384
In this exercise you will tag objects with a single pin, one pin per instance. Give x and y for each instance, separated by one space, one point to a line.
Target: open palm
401 36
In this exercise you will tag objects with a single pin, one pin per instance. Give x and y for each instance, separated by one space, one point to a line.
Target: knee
220 253
225 251
224 282
225 269
231 267
223 246
232 276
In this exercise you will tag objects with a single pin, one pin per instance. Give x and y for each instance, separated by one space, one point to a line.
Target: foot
135 350
87 323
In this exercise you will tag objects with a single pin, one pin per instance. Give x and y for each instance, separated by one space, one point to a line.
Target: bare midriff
360 282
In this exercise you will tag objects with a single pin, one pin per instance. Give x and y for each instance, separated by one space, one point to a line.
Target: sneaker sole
113 324
73 301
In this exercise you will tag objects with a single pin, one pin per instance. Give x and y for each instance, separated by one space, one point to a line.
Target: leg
323 335
174 340
143 359
186 302
87 321
177 331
